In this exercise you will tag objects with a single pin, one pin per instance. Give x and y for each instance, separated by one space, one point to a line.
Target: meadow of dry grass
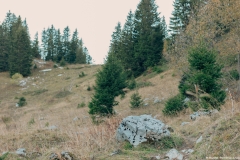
52 100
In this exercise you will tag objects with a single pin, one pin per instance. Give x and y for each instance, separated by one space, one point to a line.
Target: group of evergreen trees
17 50
132 50
139 44
15 46
57 47
183 10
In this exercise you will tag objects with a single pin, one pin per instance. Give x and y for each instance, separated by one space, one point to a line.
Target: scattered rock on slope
173 154
138 129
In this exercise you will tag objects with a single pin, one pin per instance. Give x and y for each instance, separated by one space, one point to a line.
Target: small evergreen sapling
136 100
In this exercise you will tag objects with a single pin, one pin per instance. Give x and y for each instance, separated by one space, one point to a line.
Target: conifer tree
148 31
35 47
58 46
4 49
73 47
80 56
20 57
203 79
88 57
44 43
50 43
66 43
127 45
116 41
110 82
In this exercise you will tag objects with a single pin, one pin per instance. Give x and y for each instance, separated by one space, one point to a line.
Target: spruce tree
35 47
202 81
127 45
110 82
116 41
50 43
80 56
4 49
44 43
148 34
58 46
20 57
66 43
73 47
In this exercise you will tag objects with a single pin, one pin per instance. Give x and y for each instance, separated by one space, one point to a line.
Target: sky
95 20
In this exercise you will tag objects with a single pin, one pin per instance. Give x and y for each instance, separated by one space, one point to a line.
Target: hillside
52 101
55 118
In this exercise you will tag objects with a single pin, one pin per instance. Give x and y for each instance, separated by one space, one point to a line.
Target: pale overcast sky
95 20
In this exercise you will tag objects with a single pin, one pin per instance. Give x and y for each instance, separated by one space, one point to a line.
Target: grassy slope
27 127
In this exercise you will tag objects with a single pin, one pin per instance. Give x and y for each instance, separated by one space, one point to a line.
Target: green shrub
89 88
55 66
174 105
157 69
4 156
62 94
34 66
136 100
170 142
81 105
31 122
22 102
82 75
17 76
143 84
62 62
128 146
132 84
234 74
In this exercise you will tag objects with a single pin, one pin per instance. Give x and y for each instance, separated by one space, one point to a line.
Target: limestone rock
188 151
21 152
52 127
66 155
202 113
138 129
184 123
156 100
199 139
75 119
22 83
54 156
46 70
173 154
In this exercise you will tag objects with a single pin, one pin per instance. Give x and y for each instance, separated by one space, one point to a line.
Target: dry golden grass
28 126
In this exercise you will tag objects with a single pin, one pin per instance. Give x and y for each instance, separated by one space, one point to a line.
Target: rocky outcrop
202 113
173 154
138 129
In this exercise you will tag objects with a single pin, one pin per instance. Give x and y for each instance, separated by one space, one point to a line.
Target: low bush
234 74
174 105
22 102
62 62
136 100
89 88
62 94
81 105
132 84
17 76
81 75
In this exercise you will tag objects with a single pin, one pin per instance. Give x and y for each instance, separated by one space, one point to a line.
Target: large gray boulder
138 129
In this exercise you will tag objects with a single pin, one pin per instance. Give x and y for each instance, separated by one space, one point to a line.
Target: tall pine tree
20 57
148 35
35 47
